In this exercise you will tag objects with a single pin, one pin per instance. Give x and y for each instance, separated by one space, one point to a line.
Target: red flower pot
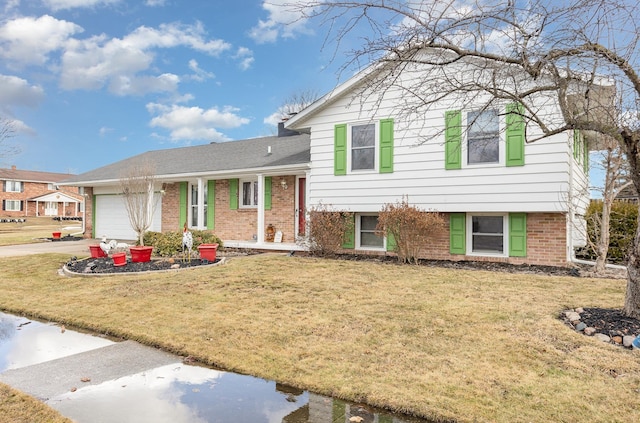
141 254
57 235
208 251
119 259
96 251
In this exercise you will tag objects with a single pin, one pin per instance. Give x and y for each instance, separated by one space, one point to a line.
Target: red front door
302 221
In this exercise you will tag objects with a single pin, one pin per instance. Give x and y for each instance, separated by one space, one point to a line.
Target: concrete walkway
74 248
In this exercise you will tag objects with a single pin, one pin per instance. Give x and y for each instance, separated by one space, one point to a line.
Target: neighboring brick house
27 193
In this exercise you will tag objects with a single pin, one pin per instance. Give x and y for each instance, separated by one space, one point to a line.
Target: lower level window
487 234
366 230
12 205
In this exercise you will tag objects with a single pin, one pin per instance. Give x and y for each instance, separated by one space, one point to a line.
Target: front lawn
439 343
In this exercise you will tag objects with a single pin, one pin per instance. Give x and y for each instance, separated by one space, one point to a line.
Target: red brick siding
238 224
546 243
88 209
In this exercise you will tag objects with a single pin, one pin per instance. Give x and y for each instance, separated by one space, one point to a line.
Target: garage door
112 220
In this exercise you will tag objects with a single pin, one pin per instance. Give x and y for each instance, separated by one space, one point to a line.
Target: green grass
438 343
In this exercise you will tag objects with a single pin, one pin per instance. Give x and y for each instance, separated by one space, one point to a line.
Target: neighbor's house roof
14 174
57 197
256 155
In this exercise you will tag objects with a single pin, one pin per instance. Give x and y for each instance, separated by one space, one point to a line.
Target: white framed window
483 136
249 198
13 186
193 205
51 186
487 234
366 236
12 205
362 146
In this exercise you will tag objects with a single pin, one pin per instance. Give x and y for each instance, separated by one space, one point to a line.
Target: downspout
84 217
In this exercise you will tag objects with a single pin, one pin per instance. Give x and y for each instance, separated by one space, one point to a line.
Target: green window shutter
211 205
515 135
340 150
391 242
184 188
386 146
517 234
453 139
457 233
267 193
576 144
349 239
233 194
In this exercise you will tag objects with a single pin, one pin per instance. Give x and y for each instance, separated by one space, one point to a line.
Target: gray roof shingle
215 157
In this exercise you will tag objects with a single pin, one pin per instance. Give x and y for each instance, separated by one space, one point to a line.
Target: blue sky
90 82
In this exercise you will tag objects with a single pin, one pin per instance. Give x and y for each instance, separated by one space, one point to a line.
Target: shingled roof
227 157
14 174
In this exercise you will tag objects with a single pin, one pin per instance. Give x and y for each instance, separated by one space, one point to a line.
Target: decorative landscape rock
607 325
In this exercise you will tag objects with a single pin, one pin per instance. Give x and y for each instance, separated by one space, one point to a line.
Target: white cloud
154 3
195 123
198 73
29 41
17 92
245 56
274 118
282 22
72 4
104 131
97 61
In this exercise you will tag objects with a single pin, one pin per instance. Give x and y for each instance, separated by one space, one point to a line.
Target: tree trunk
632 298
602 246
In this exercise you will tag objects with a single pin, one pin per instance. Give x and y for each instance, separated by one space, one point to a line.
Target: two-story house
504 199
27 193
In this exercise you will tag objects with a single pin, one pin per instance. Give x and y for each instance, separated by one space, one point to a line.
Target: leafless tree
137 185
297 101
616 178
7 131
577 56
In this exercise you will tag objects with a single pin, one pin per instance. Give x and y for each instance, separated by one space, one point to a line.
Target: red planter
140 254
57 235
208 251
96 251
119 259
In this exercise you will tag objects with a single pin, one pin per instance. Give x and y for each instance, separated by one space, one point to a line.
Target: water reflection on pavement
171 393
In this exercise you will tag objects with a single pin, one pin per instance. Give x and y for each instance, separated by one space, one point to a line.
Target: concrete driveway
73 248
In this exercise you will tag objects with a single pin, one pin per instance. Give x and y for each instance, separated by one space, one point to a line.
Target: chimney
13 167
284 132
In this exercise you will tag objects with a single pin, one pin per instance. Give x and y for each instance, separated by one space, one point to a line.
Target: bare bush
327 229
410 227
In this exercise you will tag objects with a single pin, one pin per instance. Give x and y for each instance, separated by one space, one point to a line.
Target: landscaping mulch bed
105 265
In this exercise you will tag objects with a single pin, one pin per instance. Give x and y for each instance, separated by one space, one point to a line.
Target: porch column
260 228
201 223
37 211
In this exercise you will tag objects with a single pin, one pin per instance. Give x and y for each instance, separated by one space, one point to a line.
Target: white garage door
112 220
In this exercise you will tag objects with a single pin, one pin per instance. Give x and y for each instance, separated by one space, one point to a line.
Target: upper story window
13 186
363 147
51 186
249 194
483 136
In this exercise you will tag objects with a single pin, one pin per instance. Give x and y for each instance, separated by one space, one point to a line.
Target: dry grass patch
439 343
16 407
33 229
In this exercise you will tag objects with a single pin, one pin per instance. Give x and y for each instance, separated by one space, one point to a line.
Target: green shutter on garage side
211 205
515 135
267 193
386 146
233 194
184 188
457 233
517 234
340 150
453 139
349 238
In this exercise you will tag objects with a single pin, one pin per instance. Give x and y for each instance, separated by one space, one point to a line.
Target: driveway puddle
24 342
173 393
